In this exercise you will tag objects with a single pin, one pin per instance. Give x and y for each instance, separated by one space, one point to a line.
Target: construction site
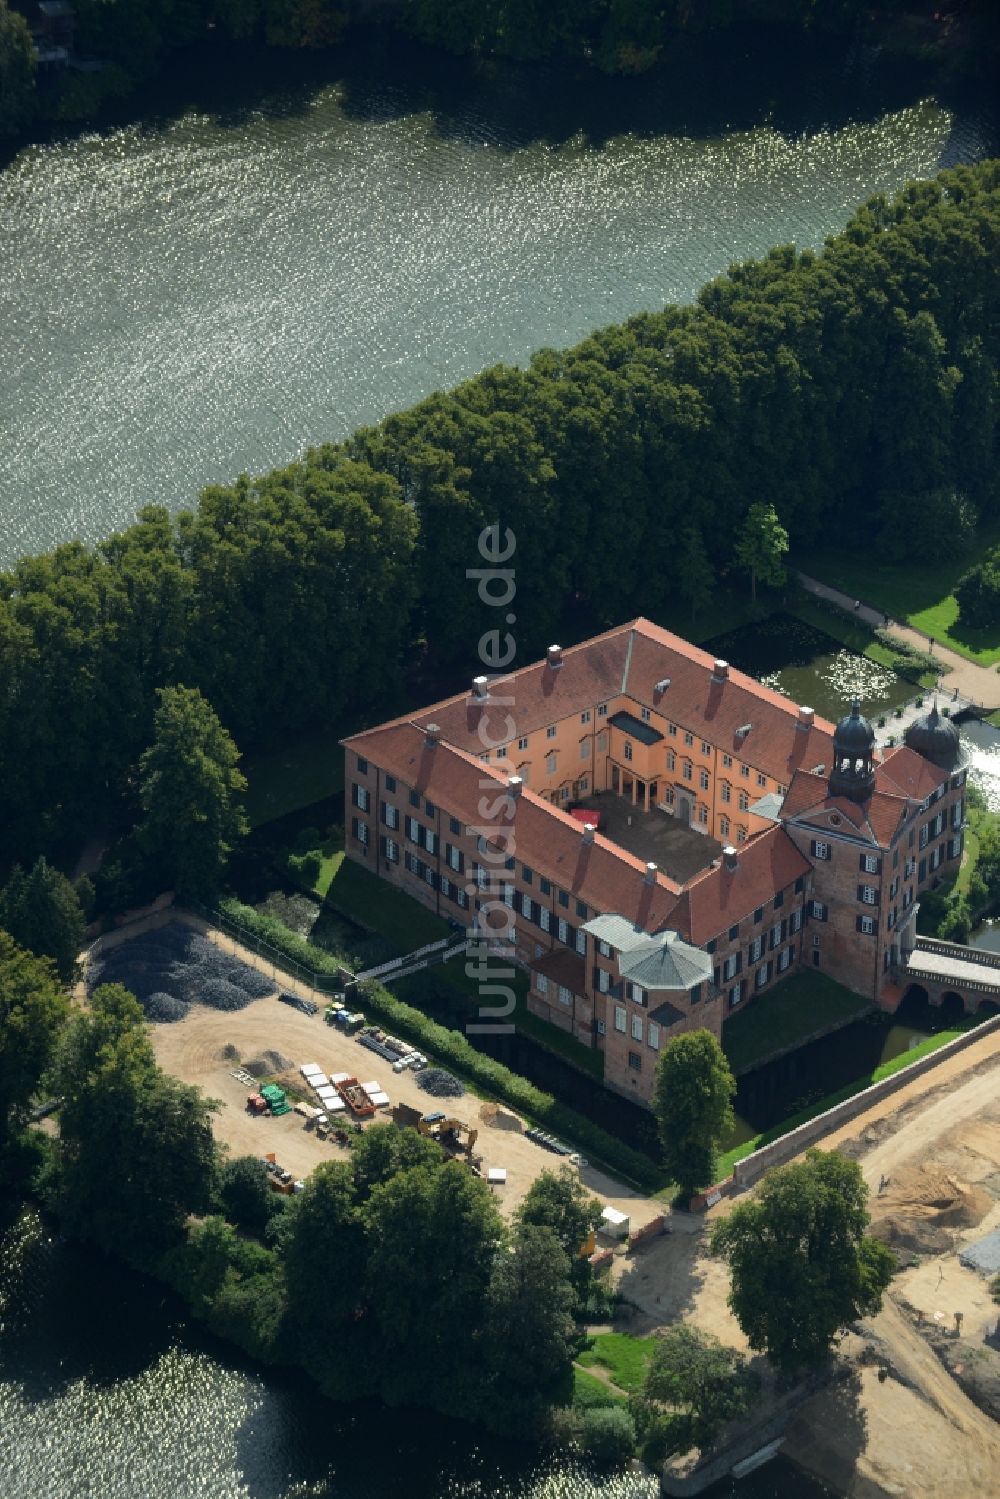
914 1403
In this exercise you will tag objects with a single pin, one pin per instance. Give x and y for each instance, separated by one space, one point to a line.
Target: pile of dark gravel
170 969
164 1007
439 1084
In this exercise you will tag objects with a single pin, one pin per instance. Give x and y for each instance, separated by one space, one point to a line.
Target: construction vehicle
452 1135
275 1099
356 1098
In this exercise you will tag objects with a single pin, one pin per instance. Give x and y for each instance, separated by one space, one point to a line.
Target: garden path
978 685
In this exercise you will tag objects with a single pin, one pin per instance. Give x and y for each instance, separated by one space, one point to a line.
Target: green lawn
589 1392
799 1007
294 776
625 1358
921 594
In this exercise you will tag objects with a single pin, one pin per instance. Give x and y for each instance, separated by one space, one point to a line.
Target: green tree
802 1265
695 576
135 1153
323 1252
559 1201
761 544
17 71
432 1236
528 1332
33 1010
693 1104
245 1194
693 1372
189 788
41 910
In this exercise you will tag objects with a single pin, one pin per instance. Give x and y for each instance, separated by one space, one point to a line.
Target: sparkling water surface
183 303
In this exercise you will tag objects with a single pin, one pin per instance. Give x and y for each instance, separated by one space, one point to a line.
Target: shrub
608 1436
306 867
978 594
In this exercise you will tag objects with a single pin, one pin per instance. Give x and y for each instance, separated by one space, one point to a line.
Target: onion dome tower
937 739
853 773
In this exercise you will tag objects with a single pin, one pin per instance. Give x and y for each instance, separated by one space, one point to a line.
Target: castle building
658 837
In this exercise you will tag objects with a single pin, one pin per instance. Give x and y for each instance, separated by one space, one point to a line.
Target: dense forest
855 389
134 38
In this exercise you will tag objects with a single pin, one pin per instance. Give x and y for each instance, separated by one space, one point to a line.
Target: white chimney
720 671
806 718
554 656
729 856
433 733
662 685
650 873
480 688
588 832
514 784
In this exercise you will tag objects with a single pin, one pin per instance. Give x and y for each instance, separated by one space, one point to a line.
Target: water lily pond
810 667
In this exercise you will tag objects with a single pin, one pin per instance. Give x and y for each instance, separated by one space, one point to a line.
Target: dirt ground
194 1049
900 1422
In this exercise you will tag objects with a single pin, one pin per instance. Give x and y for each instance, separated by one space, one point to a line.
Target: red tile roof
630 660
902 777
721 897
714 710
904 771
600 873
563 967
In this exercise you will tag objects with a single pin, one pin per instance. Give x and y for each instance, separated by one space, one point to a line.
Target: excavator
455 1138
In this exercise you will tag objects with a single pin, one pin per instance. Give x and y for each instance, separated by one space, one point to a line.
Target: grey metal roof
984 1255
666 961
616 931
635 728
769 806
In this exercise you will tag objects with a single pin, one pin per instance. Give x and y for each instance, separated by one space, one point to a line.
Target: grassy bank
918 594
728 1160
296 775
804 1005
624 1358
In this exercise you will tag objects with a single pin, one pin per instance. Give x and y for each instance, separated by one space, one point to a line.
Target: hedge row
453 1049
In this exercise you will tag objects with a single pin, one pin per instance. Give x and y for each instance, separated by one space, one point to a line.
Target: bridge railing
956 950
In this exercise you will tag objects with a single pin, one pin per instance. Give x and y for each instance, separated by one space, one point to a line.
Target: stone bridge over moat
954 976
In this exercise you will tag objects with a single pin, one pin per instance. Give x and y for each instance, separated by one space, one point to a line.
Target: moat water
206 293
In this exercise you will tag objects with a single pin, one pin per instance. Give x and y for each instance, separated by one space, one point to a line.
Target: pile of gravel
439 1084
269 1064
172 968
164 1007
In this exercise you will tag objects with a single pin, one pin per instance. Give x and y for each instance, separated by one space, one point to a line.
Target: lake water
185 301
107 1391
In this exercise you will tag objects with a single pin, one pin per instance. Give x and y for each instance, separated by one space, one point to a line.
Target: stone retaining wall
753 1166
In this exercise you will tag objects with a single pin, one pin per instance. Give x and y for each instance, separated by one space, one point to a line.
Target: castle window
522 743
644 714
628 750
820 850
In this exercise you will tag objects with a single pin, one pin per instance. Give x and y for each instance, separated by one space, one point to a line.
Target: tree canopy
189 789
693 1103
41 910
692 1372
135 1153
802 1266
33 1009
